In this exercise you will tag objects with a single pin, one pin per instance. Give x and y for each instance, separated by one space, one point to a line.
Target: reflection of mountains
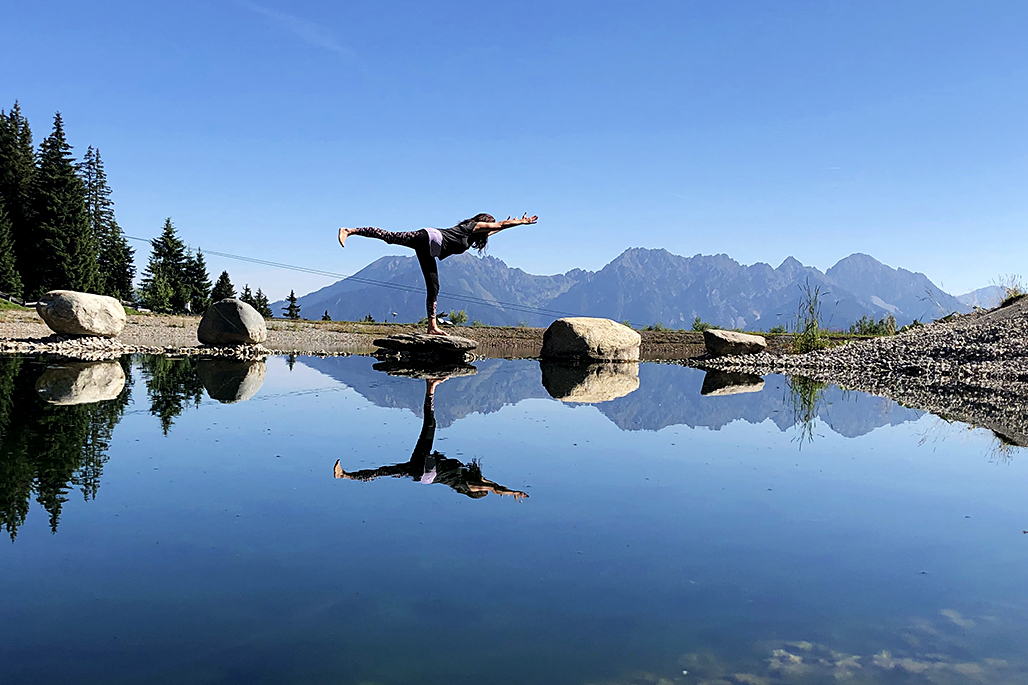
668 395
499 382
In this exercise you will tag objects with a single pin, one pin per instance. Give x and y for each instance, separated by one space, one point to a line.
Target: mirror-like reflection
650 552
721 383
589 383
664 395
81 382
231 380
172 385
48 447
428 466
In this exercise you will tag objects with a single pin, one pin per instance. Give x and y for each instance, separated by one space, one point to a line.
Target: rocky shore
972 368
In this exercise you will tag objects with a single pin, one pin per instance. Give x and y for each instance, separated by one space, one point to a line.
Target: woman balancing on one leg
429 243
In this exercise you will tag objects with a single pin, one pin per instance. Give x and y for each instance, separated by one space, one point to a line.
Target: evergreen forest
57 224
58 231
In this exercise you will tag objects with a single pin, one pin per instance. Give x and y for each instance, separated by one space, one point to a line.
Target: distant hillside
485 287
986 298
642 286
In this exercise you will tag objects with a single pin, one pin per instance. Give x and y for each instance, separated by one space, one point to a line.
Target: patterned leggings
417 241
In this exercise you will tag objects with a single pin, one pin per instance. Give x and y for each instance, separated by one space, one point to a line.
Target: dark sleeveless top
457 240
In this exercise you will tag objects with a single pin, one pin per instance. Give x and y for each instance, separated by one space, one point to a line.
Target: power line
511 306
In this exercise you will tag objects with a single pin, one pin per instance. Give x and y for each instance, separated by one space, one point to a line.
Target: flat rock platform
424 346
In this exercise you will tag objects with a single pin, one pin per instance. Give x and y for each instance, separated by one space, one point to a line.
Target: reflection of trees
46 449
171 384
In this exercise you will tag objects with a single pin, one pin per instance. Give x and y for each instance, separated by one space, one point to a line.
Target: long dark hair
479 241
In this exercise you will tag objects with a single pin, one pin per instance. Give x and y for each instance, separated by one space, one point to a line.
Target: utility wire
512 306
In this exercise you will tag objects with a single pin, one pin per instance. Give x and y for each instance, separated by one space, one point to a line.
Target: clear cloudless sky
757 129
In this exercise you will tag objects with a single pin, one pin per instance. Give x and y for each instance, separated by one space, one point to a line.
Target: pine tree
247 296
65 250
326 317
167 260
292 310
17 170
158 294
223 288
199 283
115 257
262 305
10 281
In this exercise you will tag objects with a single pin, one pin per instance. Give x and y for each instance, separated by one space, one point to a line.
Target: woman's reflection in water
426 466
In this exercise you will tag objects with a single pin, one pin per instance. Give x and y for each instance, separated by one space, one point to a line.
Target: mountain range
643 287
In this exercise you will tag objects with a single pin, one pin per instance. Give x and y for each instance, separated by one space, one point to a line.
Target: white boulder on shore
730 343
583 337
231 322
68 312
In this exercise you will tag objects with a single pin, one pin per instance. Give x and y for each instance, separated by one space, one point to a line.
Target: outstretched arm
491 227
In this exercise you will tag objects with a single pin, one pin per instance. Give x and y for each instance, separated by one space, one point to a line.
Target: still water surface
795 534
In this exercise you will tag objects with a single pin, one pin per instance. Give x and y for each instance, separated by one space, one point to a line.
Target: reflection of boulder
589 383
424 369
717 383
583 337
231 380
81 382
72 313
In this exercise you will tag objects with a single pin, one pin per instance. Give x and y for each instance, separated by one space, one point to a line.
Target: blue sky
756 129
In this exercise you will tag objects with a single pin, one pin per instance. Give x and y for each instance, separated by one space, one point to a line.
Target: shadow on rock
589 383
81 382
231 380
425 369
718 383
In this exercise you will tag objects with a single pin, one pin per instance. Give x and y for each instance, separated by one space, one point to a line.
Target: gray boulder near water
424 346
81 382
722 343
582 337
589 383
231 380
68 312
231 322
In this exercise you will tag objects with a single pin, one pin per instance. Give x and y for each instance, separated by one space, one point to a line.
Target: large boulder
425 347
68 312
729 343
583 337
231 322
589 383
231 380
81 382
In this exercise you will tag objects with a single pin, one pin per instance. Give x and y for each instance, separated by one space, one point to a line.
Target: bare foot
436 331
343 233
338 471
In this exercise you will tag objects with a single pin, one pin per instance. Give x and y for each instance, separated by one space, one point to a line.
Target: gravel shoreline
973 369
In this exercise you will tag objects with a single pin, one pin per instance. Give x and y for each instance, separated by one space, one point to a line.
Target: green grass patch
5 304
